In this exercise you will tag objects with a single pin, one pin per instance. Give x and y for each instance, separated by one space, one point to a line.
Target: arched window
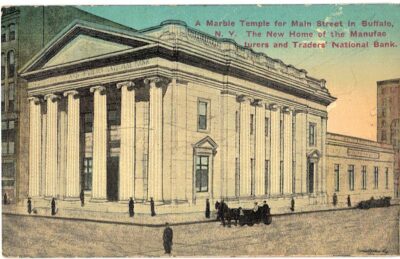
11 63
3 34
3 66
11 32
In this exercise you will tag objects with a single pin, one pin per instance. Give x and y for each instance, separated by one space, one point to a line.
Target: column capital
52 97
273 106
99 88
34 99
287 109
244 98
152 81
296 111
128 84
258 103
70 92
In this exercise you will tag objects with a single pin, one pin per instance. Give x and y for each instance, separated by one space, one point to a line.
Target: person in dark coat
221 212
131 207
82 197
53 207
292 204
153 212
207 209
217 206
265 211
5 199
167 238
334 199
29 205
348 201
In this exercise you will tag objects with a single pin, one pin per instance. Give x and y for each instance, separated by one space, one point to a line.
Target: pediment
83 41
314 155
207 143
83 47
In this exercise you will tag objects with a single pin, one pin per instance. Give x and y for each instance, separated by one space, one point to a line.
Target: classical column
127 130
260 149
155 139
245 166
35 131
287 151
301 151
99 184
323 154
73 151
51 145
275 149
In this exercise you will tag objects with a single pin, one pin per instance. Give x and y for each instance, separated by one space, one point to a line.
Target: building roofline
388 81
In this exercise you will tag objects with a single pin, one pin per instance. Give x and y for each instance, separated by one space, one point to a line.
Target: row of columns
127 147
288 152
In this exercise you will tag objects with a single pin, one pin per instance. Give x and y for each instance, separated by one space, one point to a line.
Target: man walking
53 207
29 205
334 199
82 197
167 239
348 201
131 207
207 209
152 209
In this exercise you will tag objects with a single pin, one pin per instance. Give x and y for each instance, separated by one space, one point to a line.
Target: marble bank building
172 113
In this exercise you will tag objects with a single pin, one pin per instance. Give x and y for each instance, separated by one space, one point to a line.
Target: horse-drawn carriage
244 216
374 203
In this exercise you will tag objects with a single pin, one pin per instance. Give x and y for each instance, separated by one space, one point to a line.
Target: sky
351 73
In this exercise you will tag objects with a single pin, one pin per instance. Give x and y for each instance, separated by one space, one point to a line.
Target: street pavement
344 232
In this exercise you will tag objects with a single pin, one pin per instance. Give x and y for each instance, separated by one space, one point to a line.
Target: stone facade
173 114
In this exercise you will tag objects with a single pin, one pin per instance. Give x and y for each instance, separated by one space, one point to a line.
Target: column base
71 199
98 200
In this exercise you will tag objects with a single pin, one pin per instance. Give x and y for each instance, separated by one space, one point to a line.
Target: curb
171 224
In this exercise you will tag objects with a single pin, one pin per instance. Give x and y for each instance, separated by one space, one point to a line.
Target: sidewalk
143 219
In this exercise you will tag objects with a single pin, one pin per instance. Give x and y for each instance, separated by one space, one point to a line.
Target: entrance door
112 178
310 177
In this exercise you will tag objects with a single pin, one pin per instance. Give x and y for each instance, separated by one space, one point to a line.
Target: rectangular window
293 177
11 97
202 115
251 124
7 183
237 121
8 170
364 177
8 137
87 173
337 177
202 173
237 177
351 177
114 114
312 134
266 127
376 177
87 122
2 97
387 178
266 177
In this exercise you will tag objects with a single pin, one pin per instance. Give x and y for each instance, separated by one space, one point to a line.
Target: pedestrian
221 212
292 205
29 205
348 201
334 199
5 199
53 207
217 205
153 212
82 197
255 209
207 208
131 207
167 238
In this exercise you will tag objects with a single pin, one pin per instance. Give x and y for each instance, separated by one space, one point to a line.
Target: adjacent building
358 168
388 120
24 32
